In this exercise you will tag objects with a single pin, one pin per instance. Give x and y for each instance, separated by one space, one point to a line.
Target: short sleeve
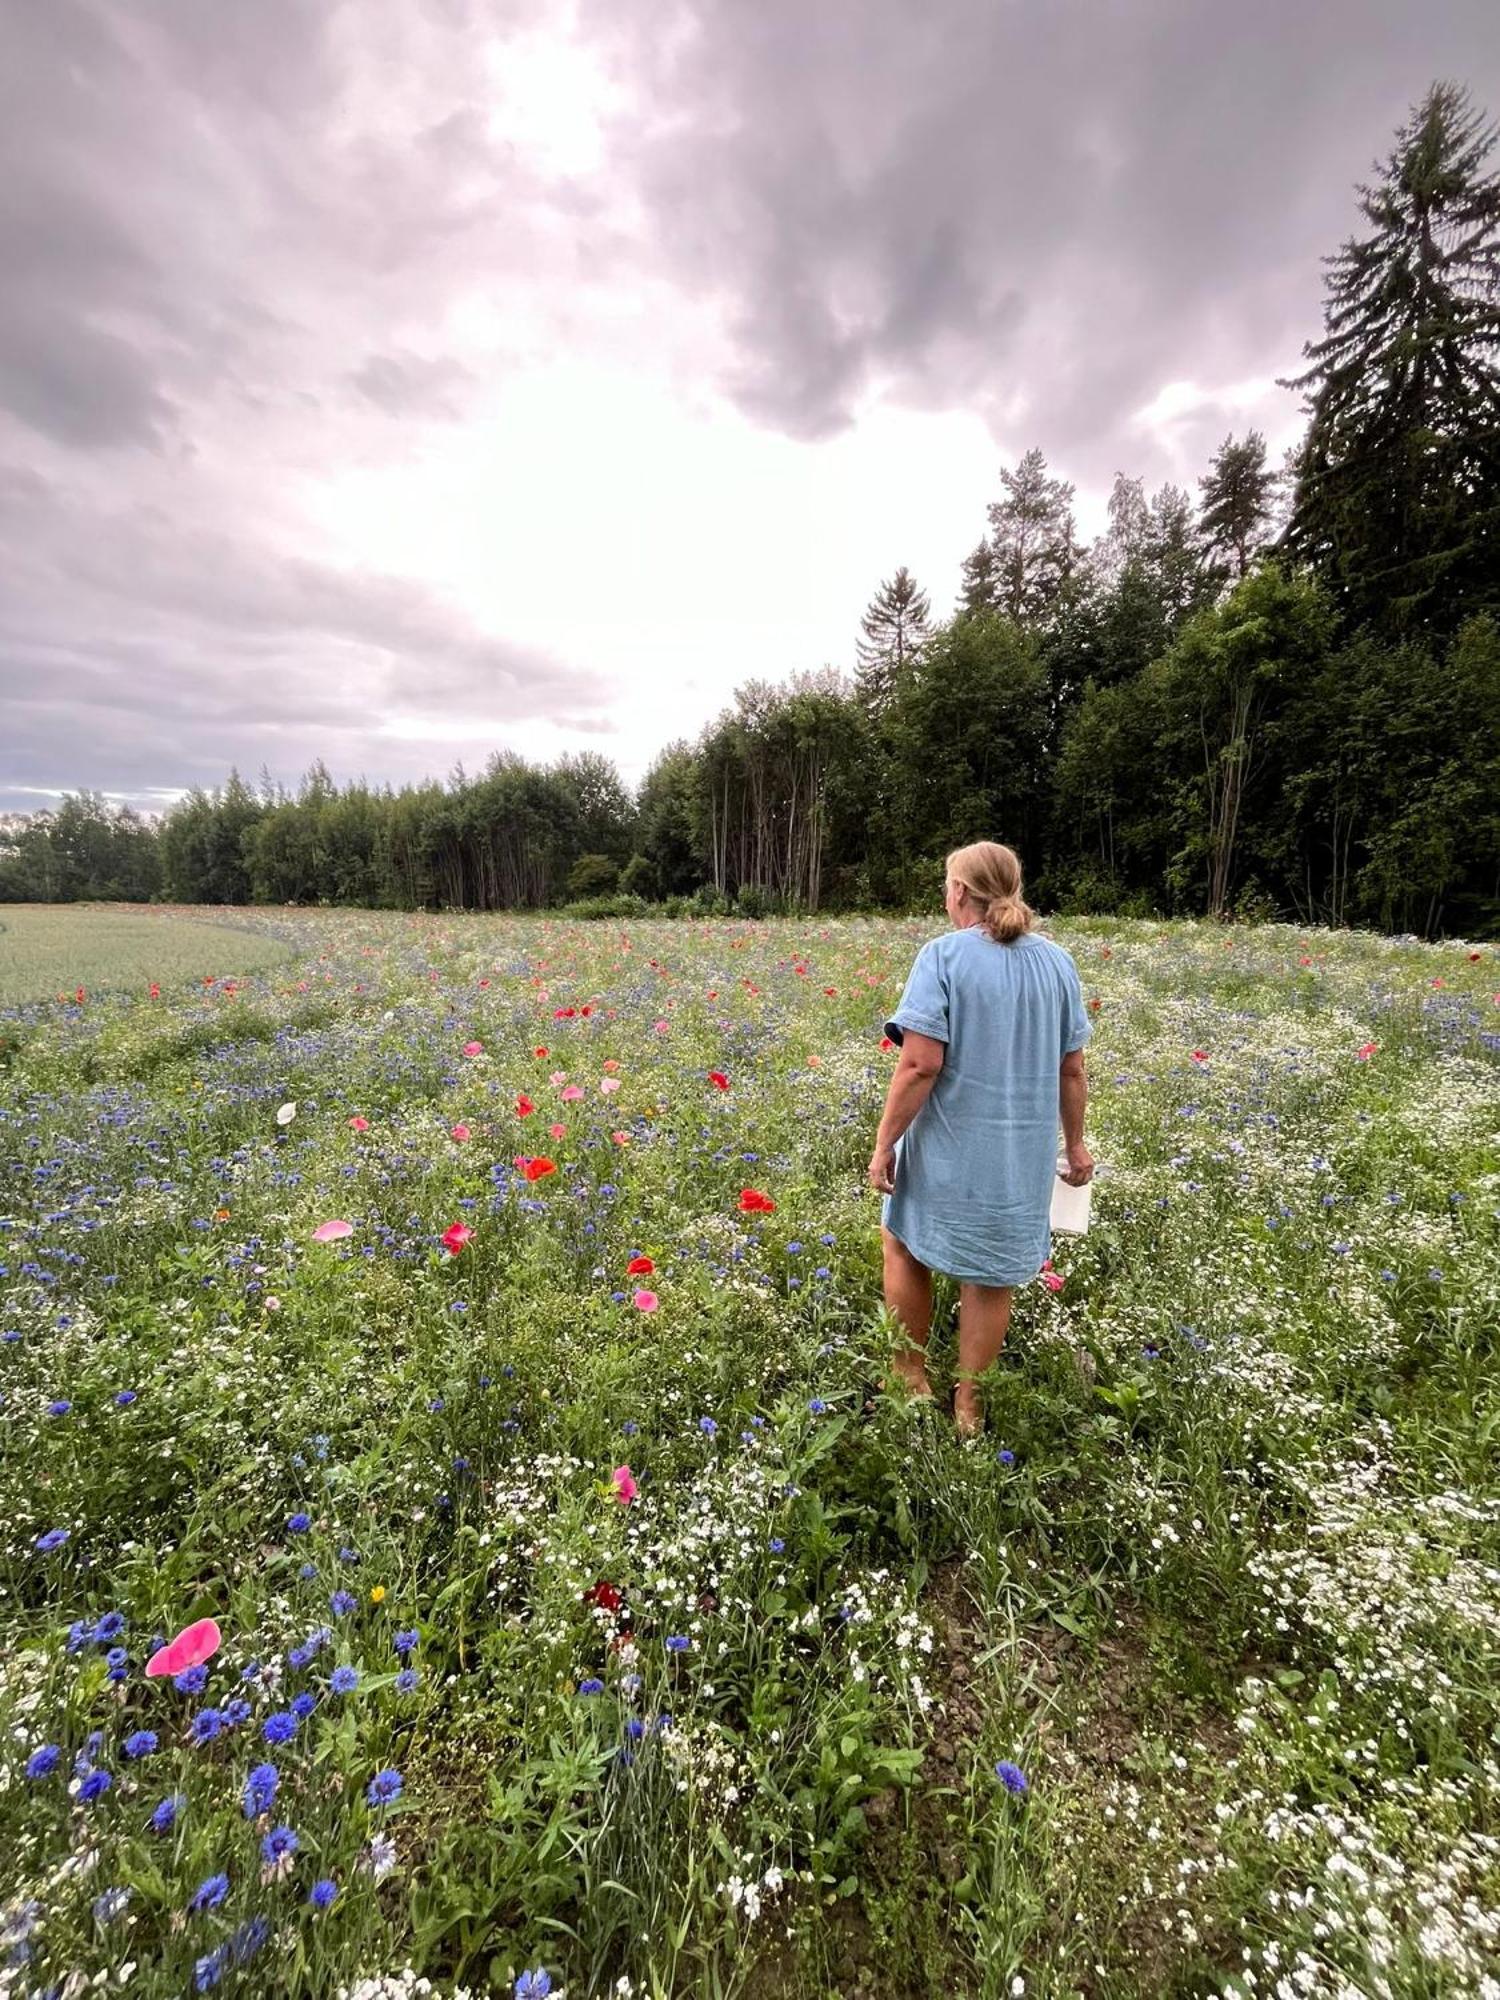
1077 1028
923 1006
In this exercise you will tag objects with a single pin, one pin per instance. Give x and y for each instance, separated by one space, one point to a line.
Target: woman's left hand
882 1171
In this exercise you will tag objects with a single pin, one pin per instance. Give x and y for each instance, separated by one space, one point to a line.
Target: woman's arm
918 1068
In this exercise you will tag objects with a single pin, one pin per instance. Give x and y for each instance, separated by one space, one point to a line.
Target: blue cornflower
249 1938
1011 1776
344 1680
663 1721
110 1626
384 1788
1005 1457
406 1680
280 1727
591 1686
124 1399
141 1743
164 1818
209 1894
777 1545
52 1539
307 1572
192 1680
677 1644
301 1656
43 1761
94 1786
817 1406
302 1705
279 1844
60 1408
707 1426
322 1893
630 1427
206 1725
348 1555
80 1634
533 1985
235 1712
406 1642
342 1603
111 1904
209 1970
260 1790
298 1523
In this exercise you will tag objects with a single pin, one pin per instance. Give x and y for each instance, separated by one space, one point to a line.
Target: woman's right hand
1080 1167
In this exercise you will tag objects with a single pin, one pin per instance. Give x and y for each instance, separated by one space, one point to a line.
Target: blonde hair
991 873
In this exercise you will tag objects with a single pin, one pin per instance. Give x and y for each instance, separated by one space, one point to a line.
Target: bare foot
968 1412
913 1381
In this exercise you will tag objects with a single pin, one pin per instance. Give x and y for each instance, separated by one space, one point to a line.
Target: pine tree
1398 495
893 629
1235 510
1034 541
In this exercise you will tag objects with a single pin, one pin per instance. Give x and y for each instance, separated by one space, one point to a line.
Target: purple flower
53 1539
342 1603
209 1894
384 1788
1011 1776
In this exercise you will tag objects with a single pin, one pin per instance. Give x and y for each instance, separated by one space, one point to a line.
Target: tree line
1279 696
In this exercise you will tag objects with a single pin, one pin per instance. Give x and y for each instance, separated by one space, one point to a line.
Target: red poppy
718 1079
533 1169
524 1106
640 1267
456 1237
605 1594
753 1202
540 1054
563 1013
80 996
155 991
886 1042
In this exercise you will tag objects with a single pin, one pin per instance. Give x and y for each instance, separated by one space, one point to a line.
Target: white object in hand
1070 1205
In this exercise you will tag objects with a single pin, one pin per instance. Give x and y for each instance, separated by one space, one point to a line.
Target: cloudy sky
399 380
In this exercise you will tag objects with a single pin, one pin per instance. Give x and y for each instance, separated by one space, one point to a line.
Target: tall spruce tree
977 588
1236 506
891 630
1034 541
1398 490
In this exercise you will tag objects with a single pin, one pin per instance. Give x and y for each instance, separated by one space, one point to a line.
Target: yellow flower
377 1595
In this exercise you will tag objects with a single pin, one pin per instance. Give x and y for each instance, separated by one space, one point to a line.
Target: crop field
588 1619
48 950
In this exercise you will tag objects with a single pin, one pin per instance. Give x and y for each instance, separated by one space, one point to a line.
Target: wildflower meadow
457 1541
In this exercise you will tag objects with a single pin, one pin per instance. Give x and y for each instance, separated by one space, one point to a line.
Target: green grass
1222 1580
49 951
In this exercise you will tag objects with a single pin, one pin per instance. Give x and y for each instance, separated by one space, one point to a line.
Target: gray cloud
231 237
1058 206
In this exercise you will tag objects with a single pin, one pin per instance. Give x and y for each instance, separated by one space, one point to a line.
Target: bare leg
908 1297
983 1322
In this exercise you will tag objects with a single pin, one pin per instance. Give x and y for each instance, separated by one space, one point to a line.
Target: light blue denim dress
975 1167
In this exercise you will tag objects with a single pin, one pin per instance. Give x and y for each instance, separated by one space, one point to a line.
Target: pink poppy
572 1094
558 1076
190 1648
625 1486
455 1237
473 1048
358 1124
332 1232
645 1301
459 1133
620 1138
662 1027
1367 1051
556 1131
608 1084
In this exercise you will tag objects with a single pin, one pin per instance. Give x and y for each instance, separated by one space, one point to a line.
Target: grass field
49 950
1182 1682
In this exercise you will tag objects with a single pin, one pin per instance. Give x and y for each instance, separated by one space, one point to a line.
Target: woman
991 1027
